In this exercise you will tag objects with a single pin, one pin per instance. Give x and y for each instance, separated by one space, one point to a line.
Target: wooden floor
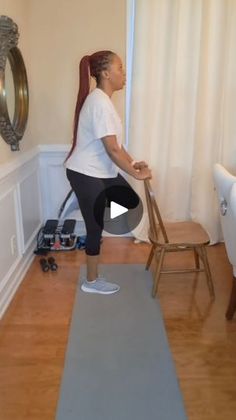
34 332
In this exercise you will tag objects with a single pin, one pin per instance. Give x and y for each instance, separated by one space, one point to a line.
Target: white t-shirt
98 118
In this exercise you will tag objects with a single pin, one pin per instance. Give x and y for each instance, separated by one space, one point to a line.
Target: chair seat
188 233
175 237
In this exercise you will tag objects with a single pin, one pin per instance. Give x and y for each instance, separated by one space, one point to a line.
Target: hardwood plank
34 333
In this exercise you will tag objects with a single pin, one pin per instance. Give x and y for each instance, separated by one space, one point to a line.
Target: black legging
92 194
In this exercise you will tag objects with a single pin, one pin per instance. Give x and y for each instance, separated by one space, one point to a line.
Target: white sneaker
101 286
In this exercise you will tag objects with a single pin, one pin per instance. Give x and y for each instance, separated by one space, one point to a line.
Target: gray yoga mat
118 364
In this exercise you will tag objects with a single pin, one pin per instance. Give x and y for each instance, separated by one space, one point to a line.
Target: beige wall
54 35
18 11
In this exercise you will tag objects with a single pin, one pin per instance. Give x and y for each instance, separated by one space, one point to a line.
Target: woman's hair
90 65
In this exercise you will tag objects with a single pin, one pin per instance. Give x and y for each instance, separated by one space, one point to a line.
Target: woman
96 154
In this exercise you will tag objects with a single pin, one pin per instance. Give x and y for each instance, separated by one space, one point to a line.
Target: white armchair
226 191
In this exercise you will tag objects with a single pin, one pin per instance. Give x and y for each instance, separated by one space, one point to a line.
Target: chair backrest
226 191
154 215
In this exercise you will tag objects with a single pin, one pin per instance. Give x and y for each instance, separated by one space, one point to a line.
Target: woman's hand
143 173
141 164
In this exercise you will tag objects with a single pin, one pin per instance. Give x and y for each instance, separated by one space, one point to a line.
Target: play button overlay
123 211
117 210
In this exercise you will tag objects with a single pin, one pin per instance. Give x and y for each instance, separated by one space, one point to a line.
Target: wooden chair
175 237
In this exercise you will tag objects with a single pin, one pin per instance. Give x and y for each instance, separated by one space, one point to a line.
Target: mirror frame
12 132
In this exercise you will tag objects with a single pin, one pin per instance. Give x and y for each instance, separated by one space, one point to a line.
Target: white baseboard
20 219
14 280
33 187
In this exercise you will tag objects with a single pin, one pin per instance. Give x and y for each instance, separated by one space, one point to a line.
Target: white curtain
183 103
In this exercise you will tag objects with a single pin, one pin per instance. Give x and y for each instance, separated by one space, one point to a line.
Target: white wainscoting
20 220
32 190
55 186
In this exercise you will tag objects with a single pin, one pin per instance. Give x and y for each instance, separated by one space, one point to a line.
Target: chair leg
150 257
232 302
196 258
158 272
202 249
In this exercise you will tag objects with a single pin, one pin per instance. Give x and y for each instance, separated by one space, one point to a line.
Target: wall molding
15 278
38 184
24 190
24 157
20 220
16 163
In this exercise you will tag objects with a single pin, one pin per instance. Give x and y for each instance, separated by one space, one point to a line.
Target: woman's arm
122 159
137 165
126 155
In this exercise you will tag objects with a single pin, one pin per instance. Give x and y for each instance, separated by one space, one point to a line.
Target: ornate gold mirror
14 95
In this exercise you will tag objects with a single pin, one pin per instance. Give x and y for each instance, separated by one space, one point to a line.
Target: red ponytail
84 86
89 65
